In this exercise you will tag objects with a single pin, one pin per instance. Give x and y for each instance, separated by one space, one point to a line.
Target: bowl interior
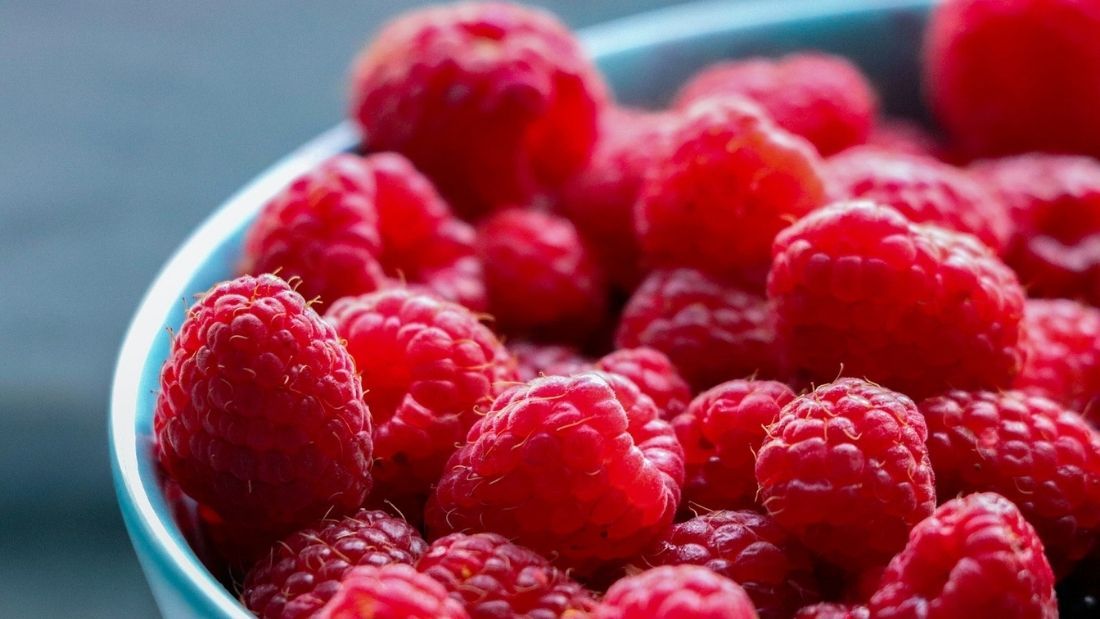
645 57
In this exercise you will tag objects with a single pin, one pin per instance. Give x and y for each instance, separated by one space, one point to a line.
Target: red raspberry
305 570
858 288
833 610
391 592
427 367
541 277
1008 76
821 97
600 200
534 360
495 102
974 557
1028 449
749 549
711 331
654 375
846 470
322 229
904 137
922 189
260 414
675 592
579 468
1055 202
721 432
493 578
1063 361
730 179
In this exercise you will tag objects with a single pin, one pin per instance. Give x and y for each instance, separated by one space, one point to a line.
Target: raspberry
579 468
1028 449
922 189
904 137
600 200
1063 361
711 331
729 181
391 592
833 610
1008 76
541 278
322 229
721 432
534 360
846 470
1055 201
820 97
974 557
495 102
427 367
494 578
749 549
260 414
303 571
654 375
675 592
858 288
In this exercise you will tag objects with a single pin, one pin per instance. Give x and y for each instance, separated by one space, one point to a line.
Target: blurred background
122 125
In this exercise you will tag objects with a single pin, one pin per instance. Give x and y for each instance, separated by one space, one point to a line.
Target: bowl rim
169 552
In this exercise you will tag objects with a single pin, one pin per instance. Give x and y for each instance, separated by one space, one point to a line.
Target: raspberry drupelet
860 290
653 373
580 469
845 469
495 102
260 415
1063 360
392 591
675 592
833 610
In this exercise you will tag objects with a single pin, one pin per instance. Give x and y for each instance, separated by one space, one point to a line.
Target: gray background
122 124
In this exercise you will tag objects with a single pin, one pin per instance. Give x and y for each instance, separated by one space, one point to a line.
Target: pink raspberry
833 610
921 189
1063 360
859 289
542 279
845 469
1028 449
728 181
260 414
534 360
581 469
494 578
654 375
710 330
391 592
721 432
305 570
975 556
427 368
675 592
495 102
820 97
749 549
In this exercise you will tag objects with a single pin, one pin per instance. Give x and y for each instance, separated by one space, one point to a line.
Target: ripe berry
581 469
494 102
749 549
859 289
654 375
391 592
728 181
721 433
534 360
260 414
675 592
822 98
427 368
710 330
975 556
833 610
845 469
1010 76
1063 360
305 570
493 578
1028 449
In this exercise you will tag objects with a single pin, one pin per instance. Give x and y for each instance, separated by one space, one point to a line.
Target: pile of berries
760 354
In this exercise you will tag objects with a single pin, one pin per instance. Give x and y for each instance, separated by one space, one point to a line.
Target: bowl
645 57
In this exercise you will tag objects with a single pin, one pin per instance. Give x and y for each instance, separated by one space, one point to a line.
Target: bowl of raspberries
730 310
